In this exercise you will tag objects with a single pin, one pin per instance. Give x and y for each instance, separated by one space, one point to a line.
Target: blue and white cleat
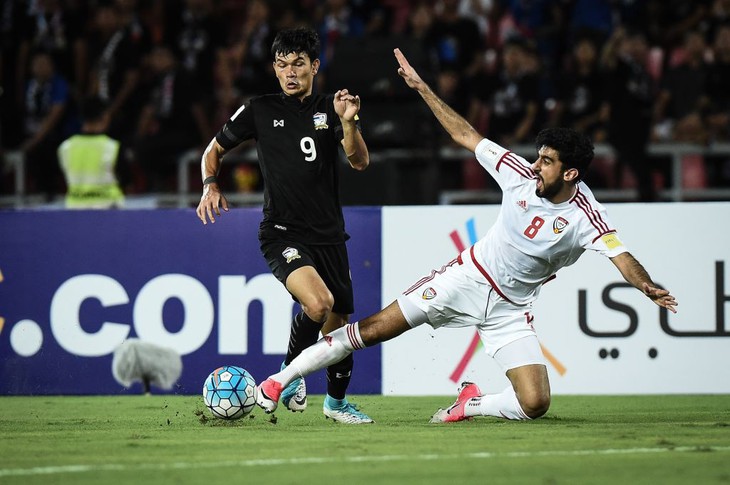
344 412
294 396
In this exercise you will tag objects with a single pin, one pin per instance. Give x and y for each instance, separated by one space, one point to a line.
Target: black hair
298 40
92 108
575 149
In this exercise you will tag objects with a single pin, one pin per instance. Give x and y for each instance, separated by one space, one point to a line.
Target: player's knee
534 404
319 306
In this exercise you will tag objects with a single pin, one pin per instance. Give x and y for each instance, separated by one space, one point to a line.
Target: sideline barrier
598 335
74 284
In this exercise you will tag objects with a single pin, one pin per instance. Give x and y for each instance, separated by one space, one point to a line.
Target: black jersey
297 144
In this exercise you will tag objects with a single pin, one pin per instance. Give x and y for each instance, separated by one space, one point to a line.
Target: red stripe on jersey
593 215
431 276
518 162
486 275
512 162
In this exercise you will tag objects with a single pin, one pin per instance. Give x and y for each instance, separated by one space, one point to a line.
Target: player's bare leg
384 325
532 389
316 300
528 397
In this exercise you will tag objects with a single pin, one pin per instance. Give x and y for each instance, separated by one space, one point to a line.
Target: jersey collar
294 101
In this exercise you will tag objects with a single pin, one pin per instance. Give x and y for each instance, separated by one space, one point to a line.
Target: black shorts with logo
329 260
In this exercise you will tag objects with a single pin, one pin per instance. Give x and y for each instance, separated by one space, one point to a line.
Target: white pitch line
52 470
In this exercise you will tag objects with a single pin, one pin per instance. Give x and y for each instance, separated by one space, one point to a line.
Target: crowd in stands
170 72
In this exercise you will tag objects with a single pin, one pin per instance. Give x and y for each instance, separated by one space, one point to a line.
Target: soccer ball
229 392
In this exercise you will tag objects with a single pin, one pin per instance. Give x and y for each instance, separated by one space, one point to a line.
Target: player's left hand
660 297
346 105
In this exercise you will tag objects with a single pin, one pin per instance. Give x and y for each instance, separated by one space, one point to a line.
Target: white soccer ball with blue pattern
230 392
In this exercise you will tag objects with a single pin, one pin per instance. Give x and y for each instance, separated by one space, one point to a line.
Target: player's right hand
210 203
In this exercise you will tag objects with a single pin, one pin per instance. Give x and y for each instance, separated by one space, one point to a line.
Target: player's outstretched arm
347 106
212 199
460 130
634 273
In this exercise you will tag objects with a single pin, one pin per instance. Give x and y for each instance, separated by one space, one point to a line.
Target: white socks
328 350
503 405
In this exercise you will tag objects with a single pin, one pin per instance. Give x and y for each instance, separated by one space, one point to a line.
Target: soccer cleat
344 412
455 412
294 396
267 396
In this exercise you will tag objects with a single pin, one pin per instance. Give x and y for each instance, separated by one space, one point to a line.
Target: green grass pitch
174 439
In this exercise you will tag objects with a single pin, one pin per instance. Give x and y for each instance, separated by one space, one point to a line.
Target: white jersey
532 237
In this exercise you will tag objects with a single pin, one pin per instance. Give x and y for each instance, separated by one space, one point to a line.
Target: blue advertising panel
75 284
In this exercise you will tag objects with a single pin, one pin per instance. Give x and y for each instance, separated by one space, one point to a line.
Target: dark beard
548 191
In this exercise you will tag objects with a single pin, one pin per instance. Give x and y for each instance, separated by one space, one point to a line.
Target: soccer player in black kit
298 135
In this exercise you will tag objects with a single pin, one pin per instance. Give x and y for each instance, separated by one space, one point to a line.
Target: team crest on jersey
559 224
428 294
522 204
290 254
320 121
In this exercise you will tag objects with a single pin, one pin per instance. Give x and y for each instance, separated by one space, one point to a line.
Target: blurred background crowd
170 72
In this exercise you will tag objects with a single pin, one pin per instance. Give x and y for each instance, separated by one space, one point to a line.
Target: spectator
718 16
627 108
172 121
197 37
249 56
51 27
114 76
543 22
338 20
458 41
511 95
580 92
592 15
89 160
136 30
718 106
718 80
670 20
678 106
420 28
12 14
46 102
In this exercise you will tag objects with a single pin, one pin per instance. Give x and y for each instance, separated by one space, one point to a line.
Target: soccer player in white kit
547 220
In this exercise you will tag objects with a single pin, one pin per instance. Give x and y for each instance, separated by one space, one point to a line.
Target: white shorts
459 295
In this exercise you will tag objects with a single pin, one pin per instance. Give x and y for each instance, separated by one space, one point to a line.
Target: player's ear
571 175
315 66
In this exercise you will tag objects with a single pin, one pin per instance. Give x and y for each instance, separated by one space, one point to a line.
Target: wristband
210 180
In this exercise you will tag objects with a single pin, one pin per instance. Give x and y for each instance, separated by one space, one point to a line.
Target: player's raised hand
346 105
661 297
210 203
406 71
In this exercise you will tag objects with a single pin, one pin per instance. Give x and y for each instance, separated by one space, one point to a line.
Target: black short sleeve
239 128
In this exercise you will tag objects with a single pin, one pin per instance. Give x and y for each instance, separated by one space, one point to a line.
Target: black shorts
330 262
